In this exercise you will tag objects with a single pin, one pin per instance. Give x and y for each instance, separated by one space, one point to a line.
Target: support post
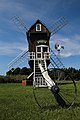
34 73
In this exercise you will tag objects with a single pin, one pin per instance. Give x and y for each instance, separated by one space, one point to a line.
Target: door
40 51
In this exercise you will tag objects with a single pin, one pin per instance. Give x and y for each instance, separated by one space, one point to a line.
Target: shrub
12 78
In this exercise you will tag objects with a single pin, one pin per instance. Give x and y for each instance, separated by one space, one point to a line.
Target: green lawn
17 103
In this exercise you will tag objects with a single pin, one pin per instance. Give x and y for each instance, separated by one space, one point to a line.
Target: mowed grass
17 103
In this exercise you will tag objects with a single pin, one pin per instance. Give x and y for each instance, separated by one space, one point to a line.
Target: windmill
58 47
40 56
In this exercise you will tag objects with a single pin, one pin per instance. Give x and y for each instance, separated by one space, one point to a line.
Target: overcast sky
13 42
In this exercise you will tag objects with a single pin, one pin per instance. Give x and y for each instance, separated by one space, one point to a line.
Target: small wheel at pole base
55 89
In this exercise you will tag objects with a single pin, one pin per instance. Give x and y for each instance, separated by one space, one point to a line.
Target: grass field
17 103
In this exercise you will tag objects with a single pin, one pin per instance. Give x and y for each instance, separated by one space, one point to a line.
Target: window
39 55
45 49
38 49
38 27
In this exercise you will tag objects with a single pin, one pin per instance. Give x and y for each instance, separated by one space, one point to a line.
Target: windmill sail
20 24
18 60
58 25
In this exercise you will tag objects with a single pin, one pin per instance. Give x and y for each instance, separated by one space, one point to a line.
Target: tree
16 71
25 71
52 72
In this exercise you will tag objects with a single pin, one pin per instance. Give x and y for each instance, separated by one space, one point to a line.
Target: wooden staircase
39 80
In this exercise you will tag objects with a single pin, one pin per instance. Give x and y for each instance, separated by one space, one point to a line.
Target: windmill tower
38 42
38 36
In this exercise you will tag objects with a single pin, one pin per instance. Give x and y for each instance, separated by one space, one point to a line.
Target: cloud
71 45
10 49
30 10
30 13
15 7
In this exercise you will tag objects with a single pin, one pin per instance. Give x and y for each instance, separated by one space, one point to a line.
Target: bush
1 79
12 78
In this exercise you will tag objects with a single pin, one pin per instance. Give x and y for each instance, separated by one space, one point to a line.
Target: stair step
40 81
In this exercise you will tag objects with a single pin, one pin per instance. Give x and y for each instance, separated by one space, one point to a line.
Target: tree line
19 71
18 74
75 73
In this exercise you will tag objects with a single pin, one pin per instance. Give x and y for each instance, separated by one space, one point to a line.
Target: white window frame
37 27
41 51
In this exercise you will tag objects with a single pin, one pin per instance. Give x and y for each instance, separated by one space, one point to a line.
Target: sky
13 42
